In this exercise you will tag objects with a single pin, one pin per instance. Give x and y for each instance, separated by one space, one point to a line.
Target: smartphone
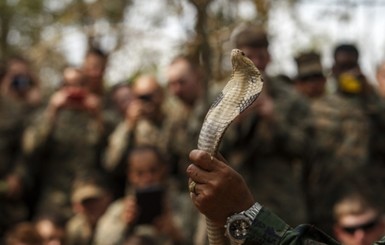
150 202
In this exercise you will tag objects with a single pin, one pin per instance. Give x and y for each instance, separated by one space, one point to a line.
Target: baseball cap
87 191
308 64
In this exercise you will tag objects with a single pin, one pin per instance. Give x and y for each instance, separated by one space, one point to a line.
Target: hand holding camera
138 108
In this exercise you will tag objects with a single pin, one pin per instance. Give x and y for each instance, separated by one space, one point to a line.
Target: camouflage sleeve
118 143
37 134
269 229
110 229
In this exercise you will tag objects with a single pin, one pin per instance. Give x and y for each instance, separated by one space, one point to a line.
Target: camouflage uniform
60 151
344 133
266 152
269 229
13 117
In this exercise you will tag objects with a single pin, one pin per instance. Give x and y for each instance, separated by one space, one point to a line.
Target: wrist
238 225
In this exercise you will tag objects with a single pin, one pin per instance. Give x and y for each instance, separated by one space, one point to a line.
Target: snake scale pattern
241 90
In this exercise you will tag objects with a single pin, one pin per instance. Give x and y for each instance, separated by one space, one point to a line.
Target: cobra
240 92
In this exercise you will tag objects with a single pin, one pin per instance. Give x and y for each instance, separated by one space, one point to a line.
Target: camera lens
21 82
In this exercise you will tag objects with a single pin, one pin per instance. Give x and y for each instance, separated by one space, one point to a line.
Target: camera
350 84
77 96
21 82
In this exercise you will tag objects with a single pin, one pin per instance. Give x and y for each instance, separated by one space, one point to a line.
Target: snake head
240 61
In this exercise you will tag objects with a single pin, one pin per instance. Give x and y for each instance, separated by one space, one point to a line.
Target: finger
203 160
197 174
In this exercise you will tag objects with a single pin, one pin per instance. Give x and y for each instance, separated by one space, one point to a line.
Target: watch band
253 211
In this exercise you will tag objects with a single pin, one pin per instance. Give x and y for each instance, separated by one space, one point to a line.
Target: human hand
58 100
130 210
220 191
134 111
92 103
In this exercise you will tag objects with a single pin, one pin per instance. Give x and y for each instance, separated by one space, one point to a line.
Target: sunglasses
146 97
364 227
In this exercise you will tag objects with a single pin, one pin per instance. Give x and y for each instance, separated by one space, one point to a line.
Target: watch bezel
238 235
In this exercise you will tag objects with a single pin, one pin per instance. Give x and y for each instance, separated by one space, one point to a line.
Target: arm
121 138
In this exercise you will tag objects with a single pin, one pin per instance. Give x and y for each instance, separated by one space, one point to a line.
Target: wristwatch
238 225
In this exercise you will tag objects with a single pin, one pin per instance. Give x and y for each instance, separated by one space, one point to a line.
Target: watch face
238 229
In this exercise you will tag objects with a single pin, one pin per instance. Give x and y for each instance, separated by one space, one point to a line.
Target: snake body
240 91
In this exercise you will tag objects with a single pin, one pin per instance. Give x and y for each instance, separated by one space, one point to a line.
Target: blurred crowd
91 164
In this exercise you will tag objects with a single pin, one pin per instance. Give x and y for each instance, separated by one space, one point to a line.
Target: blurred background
146 34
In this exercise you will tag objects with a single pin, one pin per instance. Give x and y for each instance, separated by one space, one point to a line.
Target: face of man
311 86
149 95
145 170
93 70
360 229
344 62
183 82
73 85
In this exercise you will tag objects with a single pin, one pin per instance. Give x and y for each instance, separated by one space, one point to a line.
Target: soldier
271 137
358 213
148 206
64 141
91 196
146 122
19 97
